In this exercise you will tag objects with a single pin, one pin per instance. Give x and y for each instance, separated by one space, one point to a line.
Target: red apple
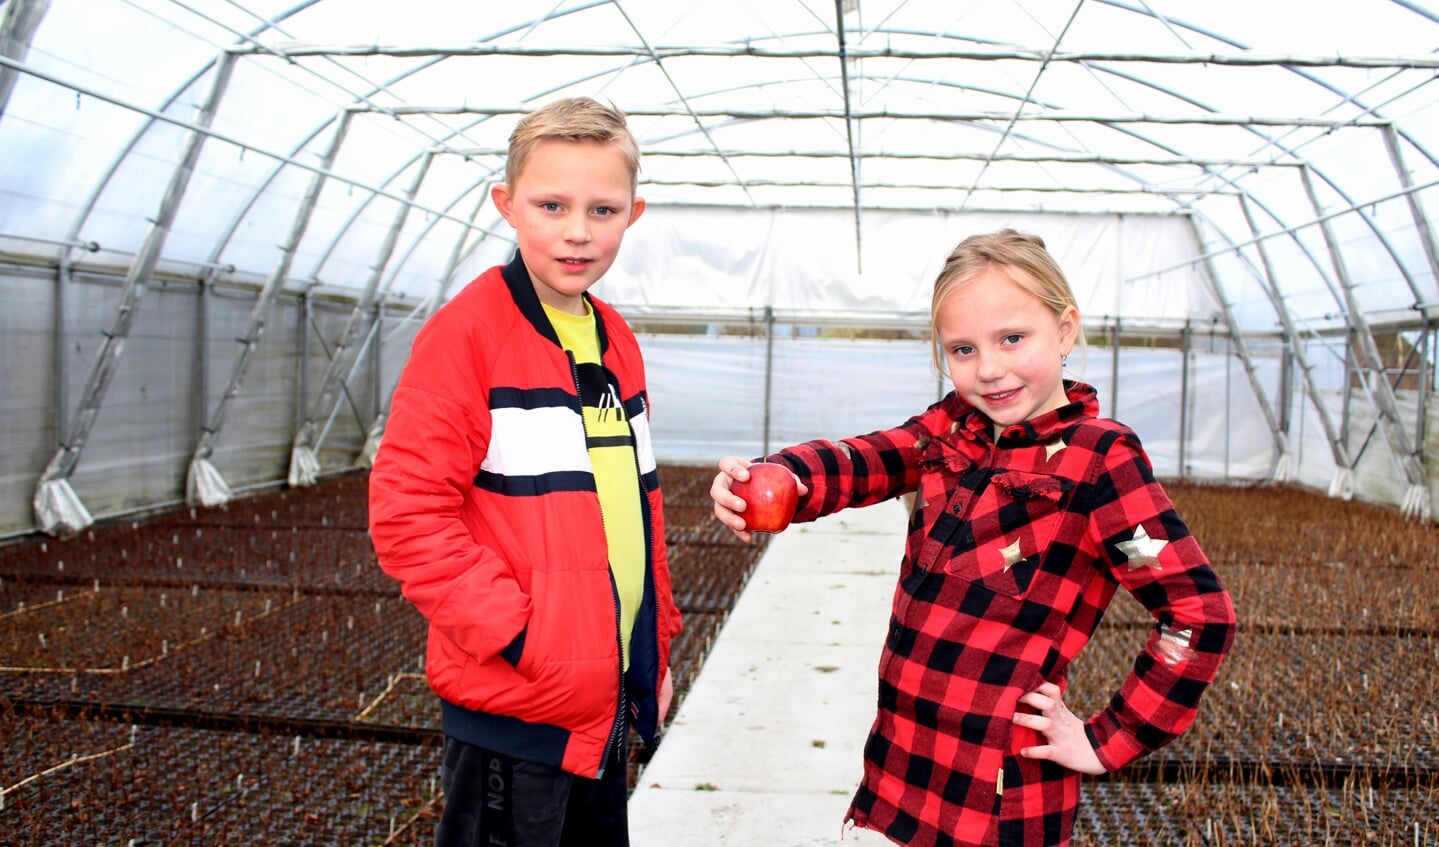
770 496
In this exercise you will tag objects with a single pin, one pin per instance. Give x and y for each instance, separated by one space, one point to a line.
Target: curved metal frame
850 55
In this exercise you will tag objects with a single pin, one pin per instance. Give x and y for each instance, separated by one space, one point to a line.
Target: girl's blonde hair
572 119
1018 255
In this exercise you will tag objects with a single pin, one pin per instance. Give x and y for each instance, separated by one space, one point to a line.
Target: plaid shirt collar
973 431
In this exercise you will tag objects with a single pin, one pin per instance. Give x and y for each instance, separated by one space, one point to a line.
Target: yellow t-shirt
611 446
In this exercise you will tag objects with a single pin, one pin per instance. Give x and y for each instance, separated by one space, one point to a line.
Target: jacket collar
522 290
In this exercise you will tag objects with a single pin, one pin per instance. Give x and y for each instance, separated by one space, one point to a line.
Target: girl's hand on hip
1068 743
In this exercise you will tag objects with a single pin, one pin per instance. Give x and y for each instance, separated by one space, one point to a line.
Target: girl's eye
1013 338
963 350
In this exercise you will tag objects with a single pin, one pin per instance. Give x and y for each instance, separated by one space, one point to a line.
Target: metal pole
768 372
1114 372
1186 342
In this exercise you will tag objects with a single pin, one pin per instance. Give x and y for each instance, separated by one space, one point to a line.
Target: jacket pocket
1009 530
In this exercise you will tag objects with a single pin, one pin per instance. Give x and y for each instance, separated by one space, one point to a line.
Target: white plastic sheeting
1259 174
799 262
826 388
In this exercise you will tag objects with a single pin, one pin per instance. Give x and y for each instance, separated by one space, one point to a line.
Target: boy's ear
637 208
500 196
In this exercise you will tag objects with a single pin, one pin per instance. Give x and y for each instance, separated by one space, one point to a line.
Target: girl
1030 511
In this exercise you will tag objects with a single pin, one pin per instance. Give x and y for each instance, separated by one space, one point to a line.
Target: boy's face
570 207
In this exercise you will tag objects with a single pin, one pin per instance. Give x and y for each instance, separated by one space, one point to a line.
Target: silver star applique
1174 645
1011 555
1141 551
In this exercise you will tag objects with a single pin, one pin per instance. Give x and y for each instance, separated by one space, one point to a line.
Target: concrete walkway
766 747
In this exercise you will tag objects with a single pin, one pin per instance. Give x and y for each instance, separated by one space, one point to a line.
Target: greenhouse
223 223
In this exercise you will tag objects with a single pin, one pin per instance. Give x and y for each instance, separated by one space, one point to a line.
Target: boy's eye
604 210
550 206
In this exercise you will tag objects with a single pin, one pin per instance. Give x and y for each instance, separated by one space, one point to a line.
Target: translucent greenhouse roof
1262 174
1296 125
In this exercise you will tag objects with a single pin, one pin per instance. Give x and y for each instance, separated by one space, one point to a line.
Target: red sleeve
863 470
1151 553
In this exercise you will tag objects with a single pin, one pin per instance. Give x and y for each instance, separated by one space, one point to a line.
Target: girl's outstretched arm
728 505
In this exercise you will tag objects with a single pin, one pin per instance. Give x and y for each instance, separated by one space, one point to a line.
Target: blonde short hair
1020 256
572 119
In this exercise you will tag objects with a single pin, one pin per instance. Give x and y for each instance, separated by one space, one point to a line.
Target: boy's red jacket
483 507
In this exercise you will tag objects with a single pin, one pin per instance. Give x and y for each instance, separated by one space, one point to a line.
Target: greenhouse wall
136 455
717 389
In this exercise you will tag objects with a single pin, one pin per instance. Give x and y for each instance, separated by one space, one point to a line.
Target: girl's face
1004 347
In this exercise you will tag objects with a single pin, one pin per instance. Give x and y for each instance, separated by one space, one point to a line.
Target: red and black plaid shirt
1015 548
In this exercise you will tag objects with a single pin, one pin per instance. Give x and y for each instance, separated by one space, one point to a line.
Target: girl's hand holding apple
755 497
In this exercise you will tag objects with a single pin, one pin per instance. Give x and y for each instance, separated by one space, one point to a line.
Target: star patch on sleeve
1141 551
1174 645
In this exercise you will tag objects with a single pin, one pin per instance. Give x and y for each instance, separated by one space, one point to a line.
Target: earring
1063 359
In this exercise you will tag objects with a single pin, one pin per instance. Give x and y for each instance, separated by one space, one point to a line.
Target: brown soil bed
248 674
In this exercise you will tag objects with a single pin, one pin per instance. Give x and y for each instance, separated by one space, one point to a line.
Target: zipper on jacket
654 633
617 728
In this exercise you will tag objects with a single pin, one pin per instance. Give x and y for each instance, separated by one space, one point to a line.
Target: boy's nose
577 229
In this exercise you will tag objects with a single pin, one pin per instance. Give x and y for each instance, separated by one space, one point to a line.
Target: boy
515 498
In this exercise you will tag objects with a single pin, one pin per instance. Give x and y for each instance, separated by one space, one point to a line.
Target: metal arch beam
304 464
1249 57
1244 59
1150 190
684 101
362 106
1212 119
1374 229
195 127
1251 371
1416 211
1293 150
1431 254
364 103
1040 158
18 23
157 115
204 484
1320 217
58 509
1139 136
849 121
1269 283
1170 22
1416 501
457 254
1018 112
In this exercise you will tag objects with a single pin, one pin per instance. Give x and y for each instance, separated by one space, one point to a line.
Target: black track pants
494 800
